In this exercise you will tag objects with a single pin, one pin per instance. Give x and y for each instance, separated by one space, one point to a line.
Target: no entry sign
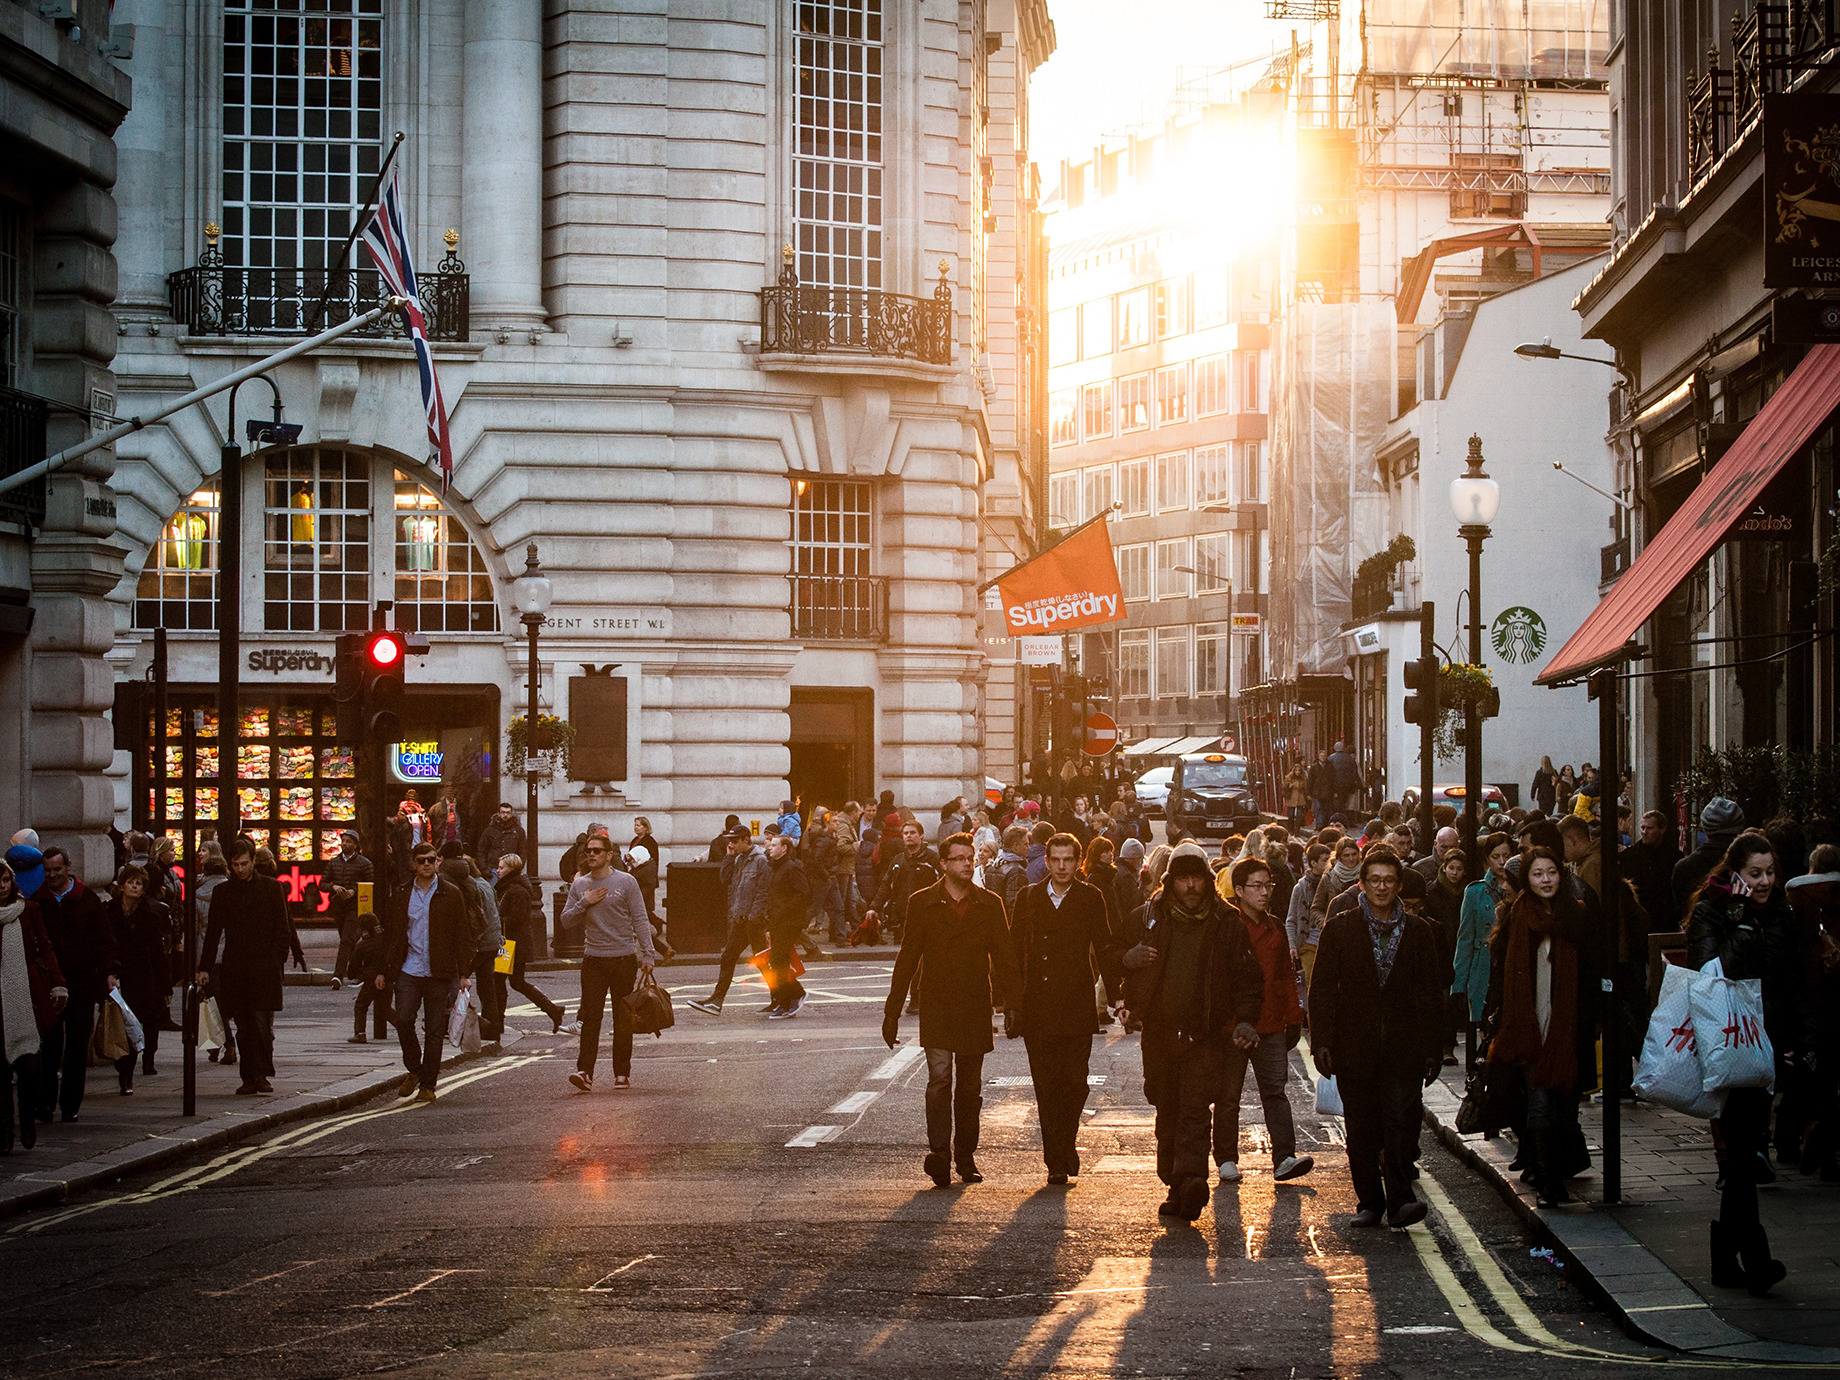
1101 735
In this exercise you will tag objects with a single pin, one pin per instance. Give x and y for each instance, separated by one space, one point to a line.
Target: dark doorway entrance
832 746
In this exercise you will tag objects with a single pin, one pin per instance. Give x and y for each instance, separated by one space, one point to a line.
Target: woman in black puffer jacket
1741 918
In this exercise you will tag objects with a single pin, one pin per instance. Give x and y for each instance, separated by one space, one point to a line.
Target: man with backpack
914 869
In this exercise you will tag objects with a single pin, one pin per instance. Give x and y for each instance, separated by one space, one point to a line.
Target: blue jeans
433 997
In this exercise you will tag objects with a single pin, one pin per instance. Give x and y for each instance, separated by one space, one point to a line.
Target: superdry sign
1072 585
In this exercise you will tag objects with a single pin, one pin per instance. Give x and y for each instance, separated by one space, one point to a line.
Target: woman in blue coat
1477 922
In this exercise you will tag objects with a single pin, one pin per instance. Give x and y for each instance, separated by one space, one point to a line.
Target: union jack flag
387 239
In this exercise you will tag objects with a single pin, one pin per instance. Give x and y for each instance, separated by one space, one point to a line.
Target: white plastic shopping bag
1669 1072
463 1024
211 1032
1328 1097
136 1036
1734 1051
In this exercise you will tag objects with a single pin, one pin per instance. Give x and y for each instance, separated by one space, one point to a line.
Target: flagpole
357 224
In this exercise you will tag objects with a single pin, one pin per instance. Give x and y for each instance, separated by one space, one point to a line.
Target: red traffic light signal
383 685
384 650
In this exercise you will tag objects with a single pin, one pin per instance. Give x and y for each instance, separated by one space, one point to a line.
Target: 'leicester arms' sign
1801 190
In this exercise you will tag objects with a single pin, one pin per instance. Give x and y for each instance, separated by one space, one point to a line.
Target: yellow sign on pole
364 896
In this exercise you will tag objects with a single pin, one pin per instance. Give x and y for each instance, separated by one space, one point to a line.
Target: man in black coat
1376 1002
1062 938
788 907
339 880
1650 868
249 913
430 946
957 930
502 835
915 869
1194 984
84 945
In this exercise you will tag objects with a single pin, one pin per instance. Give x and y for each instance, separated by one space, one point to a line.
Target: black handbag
1493 1099
649 1005
1473 1111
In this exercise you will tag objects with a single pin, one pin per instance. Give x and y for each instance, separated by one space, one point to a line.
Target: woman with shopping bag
141 926
1740 918
1545 970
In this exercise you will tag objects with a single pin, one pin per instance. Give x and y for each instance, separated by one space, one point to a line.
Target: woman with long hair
1741 918
1154 867
1545 970
514 913
140 926
1470 977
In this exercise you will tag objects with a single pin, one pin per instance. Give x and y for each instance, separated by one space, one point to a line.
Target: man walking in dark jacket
1193 982
430 948
1375 1027
914 870
249 911
788 908
502 835
744 881
1062 938
84 946
1348 781
1010 874
956 941
340 882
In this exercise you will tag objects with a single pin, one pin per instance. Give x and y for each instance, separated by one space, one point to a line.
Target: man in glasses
431 952
616 948
1266 1042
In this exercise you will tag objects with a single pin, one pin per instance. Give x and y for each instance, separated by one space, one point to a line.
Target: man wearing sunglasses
431 952
616 948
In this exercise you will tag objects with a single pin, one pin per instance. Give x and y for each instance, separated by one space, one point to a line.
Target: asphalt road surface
754 1205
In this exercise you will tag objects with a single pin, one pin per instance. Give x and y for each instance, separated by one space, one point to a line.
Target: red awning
1794 413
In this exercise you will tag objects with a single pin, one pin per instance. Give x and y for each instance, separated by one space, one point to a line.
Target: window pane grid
302 113
1213 386
1172 663
1064 500
1172 487
1134 664
1134 403
178 585
1172 583
1134 572
1172 395
1096 405
1134 488
1213 474
316 556
1064 417
837 169
442 584
830 527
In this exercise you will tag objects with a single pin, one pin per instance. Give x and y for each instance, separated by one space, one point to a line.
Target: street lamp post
1474 497
531 593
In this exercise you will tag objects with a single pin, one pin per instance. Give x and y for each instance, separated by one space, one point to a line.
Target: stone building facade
736 329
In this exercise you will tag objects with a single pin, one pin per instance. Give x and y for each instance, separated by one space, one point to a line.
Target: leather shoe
1367 1217
935 1165
969 1173
1057 1178
1168 1207
1407 1214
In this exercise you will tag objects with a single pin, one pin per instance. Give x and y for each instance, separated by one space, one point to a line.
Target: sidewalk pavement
316 1073
1650 1258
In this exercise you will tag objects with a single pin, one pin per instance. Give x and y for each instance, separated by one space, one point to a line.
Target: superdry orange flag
1073 585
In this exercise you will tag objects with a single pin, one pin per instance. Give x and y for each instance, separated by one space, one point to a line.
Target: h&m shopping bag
1734 1051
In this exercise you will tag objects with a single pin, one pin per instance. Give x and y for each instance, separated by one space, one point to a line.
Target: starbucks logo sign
1519 634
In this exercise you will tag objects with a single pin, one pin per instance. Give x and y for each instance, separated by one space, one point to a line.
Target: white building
765 487
1542 567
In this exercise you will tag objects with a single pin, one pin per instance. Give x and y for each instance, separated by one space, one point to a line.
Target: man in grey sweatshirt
616 947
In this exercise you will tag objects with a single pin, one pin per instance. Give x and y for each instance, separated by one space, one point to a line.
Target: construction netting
1530 40
1332 396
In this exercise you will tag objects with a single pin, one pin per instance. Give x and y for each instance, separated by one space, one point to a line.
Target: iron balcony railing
809 319
1770 46
22 444
840 607
215 298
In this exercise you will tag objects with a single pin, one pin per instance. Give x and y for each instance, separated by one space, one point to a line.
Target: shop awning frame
1181 747
1149 747
1789 420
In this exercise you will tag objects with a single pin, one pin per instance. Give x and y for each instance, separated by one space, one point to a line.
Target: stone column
502 172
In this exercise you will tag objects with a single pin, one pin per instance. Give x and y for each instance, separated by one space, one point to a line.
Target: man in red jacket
1279 1024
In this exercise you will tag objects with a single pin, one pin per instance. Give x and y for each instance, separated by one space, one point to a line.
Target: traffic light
1422 676
381 668
348 685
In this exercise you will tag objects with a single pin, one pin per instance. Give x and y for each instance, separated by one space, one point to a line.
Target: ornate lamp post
1475 498
531 593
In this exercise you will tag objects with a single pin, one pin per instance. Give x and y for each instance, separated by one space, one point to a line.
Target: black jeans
25 1070
786 988
378 1003
742 934
431 996
602 978
255 1044
1381 1115
1745 1125
952 1112
348 940
490 984
1058 1066
64 1048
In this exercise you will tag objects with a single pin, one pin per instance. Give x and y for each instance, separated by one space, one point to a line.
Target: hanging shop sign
412 762
1040 651
1801 190
1072 585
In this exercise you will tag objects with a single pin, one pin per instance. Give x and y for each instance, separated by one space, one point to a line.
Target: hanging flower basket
543 748
1460 686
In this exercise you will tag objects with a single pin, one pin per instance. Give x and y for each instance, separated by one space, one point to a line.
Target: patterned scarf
1385 934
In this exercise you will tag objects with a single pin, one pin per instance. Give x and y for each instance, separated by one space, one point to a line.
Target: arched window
331 549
